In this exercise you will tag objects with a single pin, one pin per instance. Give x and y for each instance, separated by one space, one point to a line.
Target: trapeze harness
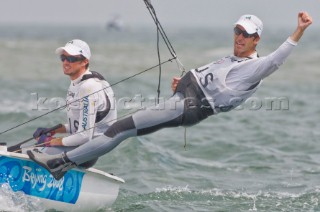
100 114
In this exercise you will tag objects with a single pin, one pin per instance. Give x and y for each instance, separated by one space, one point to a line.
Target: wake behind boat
79 189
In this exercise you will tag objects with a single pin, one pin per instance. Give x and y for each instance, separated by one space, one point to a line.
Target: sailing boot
56 165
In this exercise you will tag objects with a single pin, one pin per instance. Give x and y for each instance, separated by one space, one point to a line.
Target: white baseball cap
251 23
76 47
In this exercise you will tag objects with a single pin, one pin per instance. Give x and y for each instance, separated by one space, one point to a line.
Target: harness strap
93 74
100 114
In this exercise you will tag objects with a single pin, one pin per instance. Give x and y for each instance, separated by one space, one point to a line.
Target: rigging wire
164 35
171 50
159 27
63 106
160 69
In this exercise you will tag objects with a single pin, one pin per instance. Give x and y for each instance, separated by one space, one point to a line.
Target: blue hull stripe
32 179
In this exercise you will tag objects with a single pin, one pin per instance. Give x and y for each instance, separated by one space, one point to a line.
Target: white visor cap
76 47
251 23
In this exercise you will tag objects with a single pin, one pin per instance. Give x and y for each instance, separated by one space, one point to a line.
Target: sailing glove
44 140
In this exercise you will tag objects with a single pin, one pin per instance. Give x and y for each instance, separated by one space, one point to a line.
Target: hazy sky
170 12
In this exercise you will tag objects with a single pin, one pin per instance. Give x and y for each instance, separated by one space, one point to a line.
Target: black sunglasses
238 31
71 59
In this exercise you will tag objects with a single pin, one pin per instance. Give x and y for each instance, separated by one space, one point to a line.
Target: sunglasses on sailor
71 59
238 32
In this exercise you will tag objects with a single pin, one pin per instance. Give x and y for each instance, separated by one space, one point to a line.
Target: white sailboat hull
78 190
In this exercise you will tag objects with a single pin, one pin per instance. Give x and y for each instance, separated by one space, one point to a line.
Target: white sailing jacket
91 109
231 80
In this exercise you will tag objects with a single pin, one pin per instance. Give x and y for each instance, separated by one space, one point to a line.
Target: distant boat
115 23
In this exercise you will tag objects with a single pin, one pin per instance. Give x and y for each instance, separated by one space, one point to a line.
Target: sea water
263 156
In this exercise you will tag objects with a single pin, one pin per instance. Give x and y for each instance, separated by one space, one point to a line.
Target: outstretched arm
304 20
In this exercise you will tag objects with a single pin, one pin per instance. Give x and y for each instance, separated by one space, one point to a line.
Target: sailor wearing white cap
90 103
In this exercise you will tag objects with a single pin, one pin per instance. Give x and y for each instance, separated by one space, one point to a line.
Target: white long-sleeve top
245 75
229 81
87 99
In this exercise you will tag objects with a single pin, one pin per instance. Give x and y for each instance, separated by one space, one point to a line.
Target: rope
185 139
